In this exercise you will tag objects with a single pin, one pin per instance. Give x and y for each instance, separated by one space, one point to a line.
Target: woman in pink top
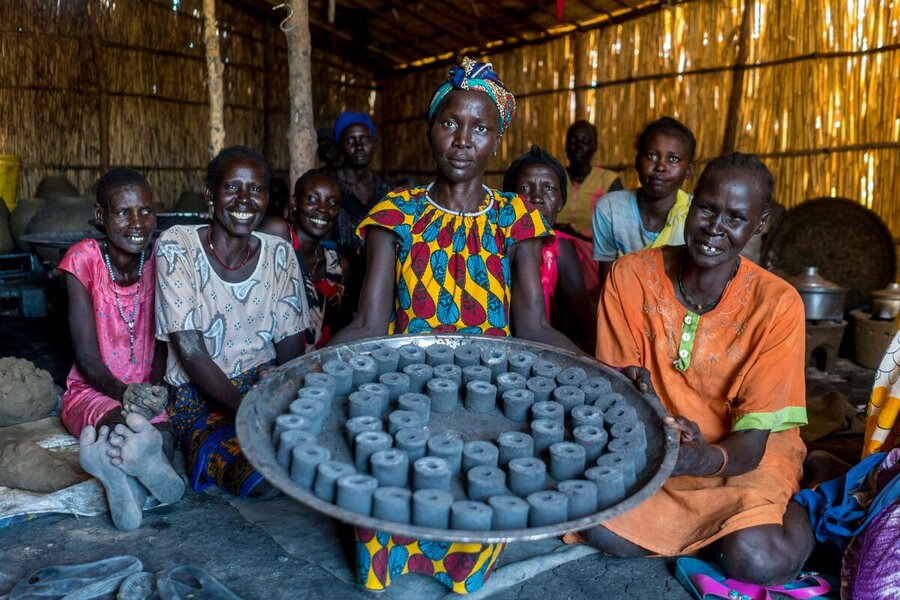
126 440
539 178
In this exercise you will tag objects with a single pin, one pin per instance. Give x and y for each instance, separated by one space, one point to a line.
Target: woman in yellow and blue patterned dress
452 256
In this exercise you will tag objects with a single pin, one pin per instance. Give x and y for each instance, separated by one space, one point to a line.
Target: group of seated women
208 309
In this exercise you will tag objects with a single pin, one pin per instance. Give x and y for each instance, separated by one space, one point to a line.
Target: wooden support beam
301 133
214 70
737 80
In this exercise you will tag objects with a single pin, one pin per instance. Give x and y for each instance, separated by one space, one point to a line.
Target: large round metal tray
271 397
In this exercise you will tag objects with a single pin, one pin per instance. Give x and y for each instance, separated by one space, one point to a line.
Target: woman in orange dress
723 340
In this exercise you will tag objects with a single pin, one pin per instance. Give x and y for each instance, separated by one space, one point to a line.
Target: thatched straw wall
144 61
820 98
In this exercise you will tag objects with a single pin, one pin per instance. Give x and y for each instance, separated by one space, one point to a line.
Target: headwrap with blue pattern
480 77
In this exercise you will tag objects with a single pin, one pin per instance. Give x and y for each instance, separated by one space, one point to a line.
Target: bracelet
724 466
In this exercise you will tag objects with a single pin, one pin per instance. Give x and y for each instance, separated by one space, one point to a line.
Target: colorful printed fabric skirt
381 556
209 441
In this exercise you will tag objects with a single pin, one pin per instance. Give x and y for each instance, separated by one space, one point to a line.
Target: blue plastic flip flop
706 582
77 582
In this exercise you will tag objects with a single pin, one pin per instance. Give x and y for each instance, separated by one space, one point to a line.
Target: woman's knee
758 555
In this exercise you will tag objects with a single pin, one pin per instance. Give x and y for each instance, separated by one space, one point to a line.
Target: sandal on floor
77 582
185 581
139 586
706 582
806 585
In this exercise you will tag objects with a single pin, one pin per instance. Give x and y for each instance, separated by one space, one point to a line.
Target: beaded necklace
212 251
714 303
137 297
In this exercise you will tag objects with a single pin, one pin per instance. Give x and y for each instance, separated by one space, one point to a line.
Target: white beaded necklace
137 298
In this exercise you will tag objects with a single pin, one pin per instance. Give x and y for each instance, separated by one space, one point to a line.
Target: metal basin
271 397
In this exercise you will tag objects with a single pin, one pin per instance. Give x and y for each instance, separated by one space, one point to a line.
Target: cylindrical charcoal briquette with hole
365 370
364 404
412 441
479 453
624 463
634 447
431 508
481 397
618 412
366 444
593 439
431 472
381 391
327 474
569 396
305 459
510 512
467 355
510 381
541 387
448 446
587 415
546 368
594 387
514 444
386 358
449 371
397 385
354 493
357 425
343 376
484 482
439 354
582 496
605 401
610 485
475 373
574 376
526 475
495 359
628 429
403 419
545 433
548 507
312 410
567 461
521 362
444 395
317 392
392 504
390 467
419 375
517 404
410 354
287 441
417 403
323 380
468 515
548 410
288 421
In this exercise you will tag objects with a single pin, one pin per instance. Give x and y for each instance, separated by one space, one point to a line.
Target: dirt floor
281 549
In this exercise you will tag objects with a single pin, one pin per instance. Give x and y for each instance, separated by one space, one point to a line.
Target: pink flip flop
807 585
706 582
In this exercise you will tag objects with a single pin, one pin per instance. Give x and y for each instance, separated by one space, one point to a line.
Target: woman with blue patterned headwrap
452 256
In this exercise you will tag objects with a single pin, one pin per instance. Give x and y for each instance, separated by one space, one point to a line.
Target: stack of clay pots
56 207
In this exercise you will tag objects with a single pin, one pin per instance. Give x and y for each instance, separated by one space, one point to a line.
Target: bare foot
124 507
137 450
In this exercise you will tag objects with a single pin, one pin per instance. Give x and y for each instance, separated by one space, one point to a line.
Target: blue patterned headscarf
480 77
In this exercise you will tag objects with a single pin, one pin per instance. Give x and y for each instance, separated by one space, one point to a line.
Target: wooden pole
737 80
301 134
214 70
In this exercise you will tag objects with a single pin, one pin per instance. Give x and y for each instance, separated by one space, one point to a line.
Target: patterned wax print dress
240 323
453 275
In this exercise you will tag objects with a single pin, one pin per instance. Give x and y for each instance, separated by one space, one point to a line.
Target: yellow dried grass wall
151 65
820 100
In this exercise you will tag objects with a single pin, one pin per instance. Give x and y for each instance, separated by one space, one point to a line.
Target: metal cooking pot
822 299
886 302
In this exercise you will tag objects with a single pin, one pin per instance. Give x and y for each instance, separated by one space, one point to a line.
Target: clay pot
21 217
6 242
65 213
53 187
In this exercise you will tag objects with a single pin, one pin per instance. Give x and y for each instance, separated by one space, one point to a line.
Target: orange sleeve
616 343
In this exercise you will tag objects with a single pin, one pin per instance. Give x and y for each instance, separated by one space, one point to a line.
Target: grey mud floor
277 549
